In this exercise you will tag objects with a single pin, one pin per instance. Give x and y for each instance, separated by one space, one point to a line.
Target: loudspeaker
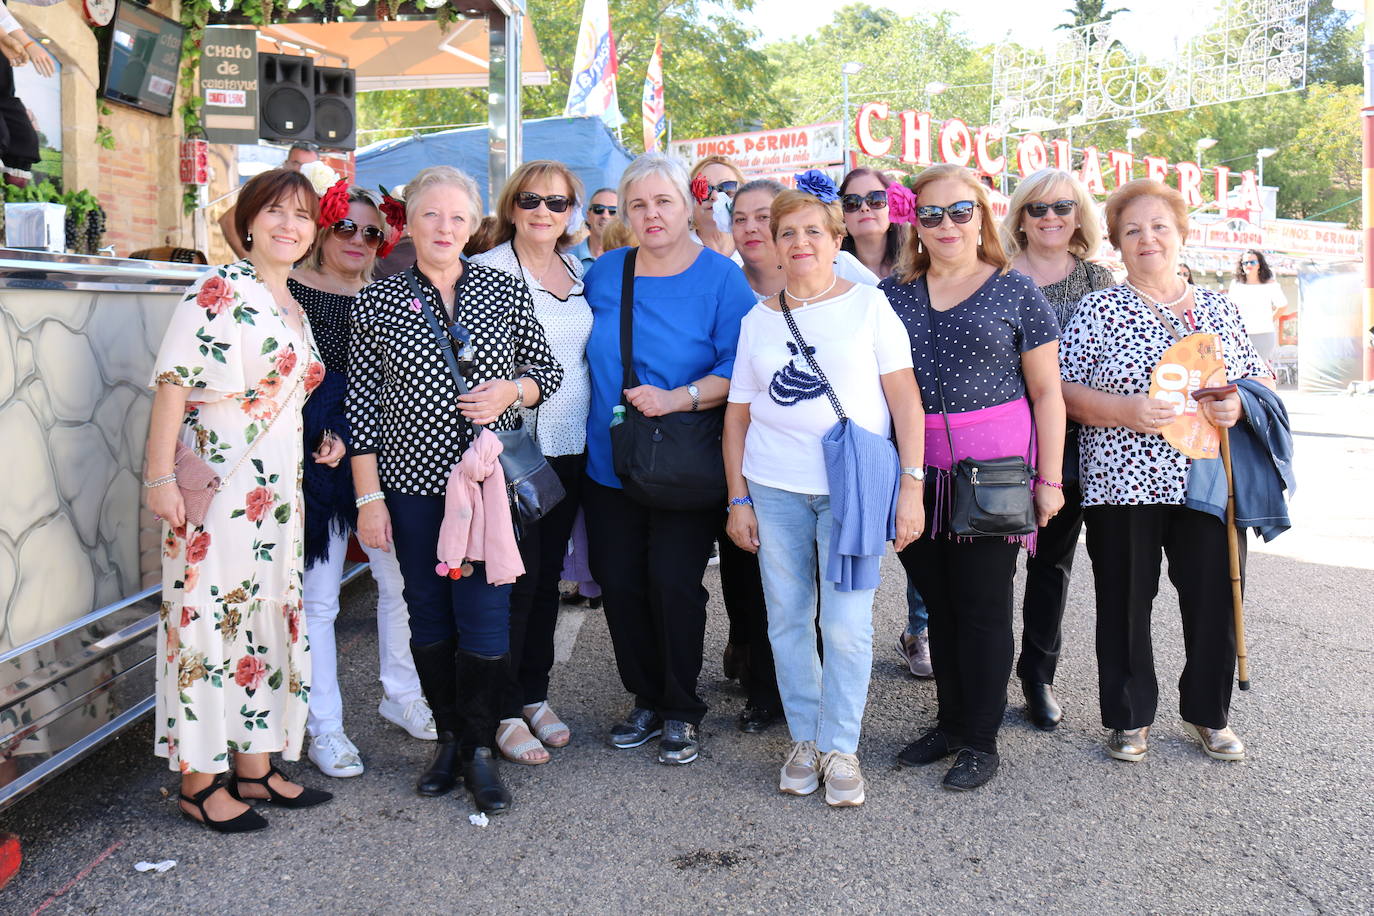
335 108
286 97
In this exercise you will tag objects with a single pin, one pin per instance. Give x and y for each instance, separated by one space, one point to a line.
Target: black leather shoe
1041 706
679 744
639 726
932 746
755 719
483 779
971 769
442 774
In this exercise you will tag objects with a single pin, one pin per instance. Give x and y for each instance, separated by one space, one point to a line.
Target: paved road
1061 828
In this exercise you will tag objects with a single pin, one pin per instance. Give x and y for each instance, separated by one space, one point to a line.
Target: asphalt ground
1062 828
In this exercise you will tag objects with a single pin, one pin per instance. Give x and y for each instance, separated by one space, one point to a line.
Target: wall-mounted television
143 59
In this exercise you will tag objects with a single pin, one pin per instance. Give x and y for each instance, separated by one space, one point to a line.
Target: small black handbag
669 462
531 482
991 497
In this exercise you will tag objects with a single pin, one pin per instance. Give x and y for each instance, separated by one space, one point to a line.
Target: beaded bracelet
154 484
741 501
1049 483
368 498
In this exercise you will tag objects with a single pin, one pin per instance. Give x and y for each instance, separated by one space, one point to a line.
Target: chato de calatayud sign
229 84
782 150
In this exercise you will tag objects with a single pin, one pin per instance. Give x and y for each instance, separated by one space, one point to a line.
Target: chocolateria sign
913 138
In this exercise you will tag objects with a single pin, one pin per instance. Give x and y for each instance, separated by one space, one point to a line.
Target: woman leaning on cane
1133 481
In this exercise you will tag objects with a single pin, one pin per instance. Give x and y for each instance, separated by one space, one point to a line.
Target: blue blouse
685 327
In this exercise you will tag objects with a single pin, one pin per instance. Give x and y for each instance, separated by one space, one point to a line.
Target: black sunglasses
1060 208
1250 263
528 200
852 203
958 212
599 209
728 188
347 229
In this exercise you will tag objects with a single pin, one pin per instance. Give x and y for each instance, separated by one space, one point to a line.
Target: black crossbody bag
991 497
531 482
668 462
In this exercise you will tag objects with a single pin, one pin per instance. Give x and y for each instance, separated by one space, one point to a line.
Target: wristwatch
915 473
695 392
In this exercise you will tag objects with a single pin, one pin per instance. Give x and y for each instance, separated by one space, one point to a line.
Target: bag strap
629 378
810 357
1164 322
445 341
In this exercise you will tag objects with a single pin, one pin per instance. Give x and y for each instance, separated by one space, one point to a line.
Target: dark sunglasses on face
528 200
599 209
958 212
346 229
1250 263
1060 208
728 188
852 203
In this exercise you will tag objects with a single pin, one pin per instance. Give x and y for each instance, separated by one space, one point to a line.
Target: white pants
321 600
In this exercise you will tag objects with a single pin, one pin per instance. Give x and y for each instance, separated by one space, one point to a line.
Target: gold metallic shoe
1219 743
1129 743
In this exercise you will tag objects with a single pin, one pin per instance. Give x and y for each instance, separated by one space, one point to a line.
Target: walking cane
1232 542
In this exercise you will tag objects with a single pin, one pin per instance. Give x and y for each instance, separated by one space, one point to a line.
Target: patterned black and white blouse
1064 296
402 401
329 317
1113 344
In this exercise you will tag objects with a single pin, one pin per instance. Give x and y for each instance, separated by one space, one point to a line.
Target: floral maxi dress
233 673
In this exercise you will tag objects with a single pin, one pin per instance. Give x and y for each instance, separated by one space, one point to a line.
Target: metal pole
1367 210
498 111
844 82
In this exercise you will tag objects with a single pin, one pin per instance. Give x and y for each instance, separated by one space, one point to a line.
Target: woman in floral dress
235 367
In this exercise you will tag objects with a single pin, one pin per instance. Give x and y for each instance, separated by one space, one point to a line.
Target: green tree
1333 46
1087 12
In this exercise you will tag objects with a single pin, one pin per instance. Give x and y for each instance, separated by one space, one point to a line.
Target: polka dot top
980 340
561 421
1113 344
328 314
402 401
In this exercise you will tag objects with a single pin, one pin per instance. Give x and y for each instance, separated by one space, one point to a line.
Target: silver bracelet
368 498
154 484
519 395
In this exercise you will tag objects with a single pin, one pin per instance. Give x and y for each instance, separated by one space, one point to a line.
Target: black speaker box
335 108
286 97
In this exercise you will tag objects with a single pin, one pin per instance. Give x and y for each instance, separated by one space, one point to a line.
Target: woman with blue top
688 302
783 402
984 343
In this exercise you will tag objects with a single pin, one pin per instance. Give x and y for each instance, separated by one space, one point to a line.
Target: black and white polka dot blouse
980 340
1113 344
402 401
329 316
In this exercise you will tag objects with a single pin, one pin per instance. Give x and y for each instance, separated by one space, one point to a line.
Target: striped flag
591 92
655 115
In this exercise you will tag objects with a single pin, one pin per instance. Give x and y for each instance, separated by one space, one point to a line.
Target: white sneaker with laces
335 755
844 783
800 774
414 717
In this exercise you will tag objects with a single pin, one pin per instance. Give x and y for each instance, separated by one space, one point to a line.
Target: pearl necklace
1187 288
821 295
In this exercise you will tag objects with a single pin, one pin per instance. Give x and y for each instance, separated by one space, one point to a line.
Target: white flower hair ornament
320 175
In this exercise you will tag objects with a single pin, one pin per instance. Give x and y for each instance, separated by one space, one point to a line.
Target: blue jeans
823 703
917 617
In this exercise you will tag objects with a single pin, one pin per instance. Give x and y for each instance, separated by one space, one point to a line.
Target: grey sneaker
637 728
844 783
915 651
801 772
679 743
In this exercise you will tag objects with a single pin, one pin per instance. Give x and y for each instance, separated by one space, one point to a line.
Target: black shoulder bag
531 483
991 497
668 462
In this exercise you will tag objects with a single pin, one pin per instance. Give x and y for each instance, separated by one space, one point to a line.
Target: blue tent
585 145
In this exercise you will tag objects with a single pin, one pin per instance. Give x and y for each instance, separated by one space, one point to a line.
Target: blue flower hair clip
818 184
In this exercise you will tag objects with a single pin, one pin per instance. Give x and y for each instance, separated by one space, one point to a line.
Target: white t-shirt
1257 302
855 337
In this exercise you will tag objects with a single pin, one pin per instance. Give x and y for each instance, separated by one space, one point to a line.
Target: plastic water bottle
617 415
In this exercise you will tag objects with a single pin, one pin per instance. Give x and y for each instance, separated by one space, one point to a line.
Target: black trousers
1047 590
1125 543
967 586
650 563
534 597
18 139
741 588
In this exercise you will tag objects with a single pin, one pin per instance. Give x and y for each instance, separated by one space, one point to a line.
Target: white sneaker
414 717
800 774
844 783
335 755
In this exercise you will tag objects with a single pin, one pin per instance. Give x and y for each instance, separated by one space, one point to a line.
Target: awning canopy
406 54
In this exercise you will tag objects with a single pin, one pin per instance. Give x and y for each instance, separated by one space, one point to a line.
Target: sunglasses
1250 263
346 229
958 212
728 188
528 200
852 203
1060 208
599 209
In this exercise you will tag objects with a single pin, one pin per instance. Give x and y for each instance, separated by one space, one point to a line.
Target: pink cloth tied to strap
477 524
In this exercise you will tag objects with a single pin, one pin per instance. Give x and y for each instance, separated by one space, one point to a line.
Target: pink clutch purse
197 482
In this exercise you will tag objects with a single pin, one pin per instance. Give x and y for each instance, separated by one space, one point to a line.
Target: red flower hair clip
701 188
394 212
334 203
